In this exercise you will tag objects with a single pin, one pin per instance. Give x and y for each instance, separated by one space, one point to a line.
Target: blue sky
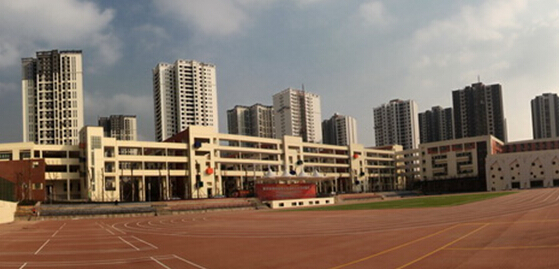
355 54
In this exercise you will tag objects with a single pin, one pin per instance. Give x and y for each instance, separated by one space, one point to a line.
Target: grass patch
432 201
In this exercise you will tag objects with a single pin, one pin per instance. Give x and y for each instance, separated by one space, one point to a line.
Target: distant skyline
356 55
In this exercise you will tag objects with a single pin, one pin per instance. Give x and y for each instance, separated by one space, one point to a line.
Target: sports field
520 230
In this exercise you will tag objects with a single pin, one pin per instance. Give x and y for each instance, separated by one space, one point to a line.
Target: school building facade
200 163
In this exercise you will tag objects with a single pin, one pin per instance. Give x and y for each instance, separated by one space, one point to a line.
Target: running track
515 231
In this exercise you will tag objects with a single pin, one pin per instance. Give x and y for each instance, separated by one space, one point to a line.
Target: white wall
304 202
7 211
522 168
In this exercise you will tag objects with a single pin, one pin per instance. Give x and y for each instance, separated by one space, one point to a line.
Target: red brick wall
26 174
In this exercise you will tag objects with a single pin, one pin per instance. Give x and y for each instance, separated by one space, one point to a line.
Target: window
95 142
37 186
25 155
5 156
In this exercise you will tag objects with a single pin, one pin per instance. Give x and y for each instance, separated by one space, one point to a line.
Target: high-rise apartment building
121 127
298 113
238 120
256 120
396 124
339 130
478 110
436 125
52 97
545 116
185 93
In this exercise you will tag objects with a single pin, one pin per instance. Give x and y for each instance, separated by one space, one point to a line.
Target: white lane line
160 263
103 227
119 230
555 193
549 196
23 266
58 230
189 262
55 233
130 244
151 245
42 247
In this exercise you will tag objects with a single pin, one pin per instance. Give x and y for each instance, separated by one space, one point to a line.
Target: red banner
269 192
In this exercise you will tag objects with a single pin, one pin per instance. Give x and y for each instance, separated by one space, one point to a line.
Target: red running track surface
514 231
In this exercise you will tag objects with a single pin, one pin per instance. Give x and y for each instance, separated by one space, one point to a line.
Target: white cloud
473 24
219 17
222 18
484 31
374 13
28 25
514 43
212 17
141 106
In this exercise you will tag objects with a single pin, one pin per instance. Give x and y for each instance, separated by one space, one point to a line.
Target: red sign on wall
269 192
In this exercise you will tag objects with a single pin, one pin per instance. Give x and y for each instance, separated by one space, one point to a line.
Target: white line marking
42 247
151 245
160 263
189 262
23 266
89 263
128 243
549 196
58 229
54 233
119 230
103 227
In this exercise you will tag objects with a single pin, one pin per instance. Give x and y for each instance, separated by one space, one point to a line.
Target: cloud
306 3
220 18
99 105
513 43
151 36
6 88
374 13
212 17
141 106
9 52
27 26
490 28
489 21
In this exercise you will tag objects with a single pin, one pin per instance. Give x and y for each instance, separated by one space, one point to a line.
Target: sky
355 54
